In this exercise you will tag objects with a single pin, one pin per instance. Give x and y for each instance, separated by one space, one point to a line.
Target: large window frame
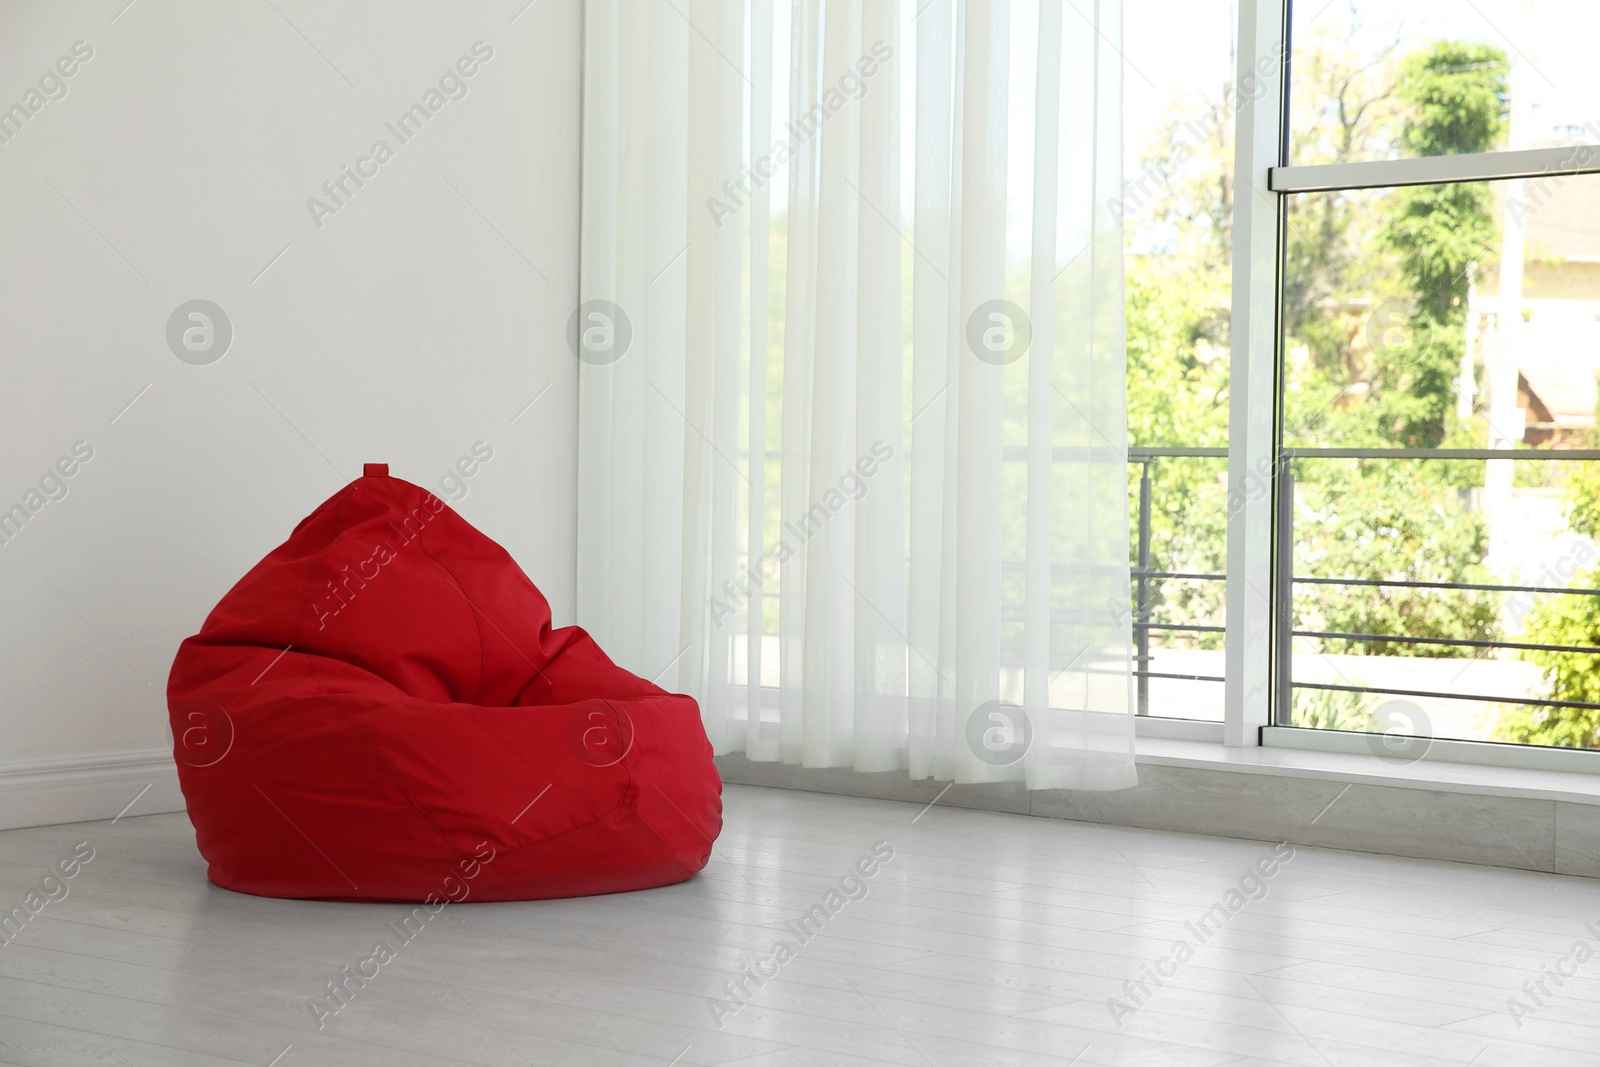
1257 631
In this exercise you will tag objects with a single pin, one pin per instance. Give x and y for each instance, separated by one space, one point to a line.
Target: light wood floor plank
990 940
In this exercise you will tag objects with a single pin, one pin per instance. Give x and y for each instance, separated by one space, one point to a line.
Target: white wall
417 320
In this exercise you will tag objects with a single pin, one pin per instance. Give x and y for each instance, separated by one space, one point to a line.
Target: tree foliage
1349 383
1391 521
1455 101
1572 621
1575 676
1455 98
1177 345
1385 519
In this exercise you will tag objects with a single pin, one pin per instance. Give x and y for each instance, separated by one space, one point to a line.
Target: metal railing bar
1175 626
1529 701
1541 454
1182 677
1140 454
1461 642
1075 668
1136 572
1141 585
1107 569
1015 453
1381 583
1061 453
1137 454
1386 583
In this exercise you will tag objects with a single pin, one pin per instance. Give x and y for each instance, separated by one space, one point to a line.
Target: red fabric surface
380 710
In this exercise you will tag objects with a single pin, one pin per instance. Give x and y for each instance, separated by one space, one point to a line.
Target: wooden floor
986 939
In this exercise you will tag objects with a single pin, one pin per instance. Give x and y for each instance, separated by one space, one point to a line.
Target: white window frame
1263 183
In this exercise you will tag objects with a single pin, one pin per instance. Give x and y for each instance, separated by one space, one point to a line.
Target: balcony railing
1146 579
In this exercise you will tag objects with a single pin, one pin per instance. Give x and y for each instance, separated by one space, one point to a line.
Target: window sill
1432 775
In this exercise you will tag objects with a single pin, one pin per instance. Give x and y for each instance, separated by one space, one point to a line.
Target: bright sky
1550 42
1180 52
1177 52
1177 46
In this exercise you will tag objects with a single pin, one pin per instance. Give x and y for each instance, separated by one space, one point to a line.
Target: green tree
1572 621
1360 374
1396 520
1455 96
1414 247
1389 521
1344 108
1178 396
1455 101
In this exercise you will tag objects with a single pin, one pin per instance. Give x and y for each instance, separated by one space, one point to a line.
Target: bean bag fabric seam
472 609
311 669
651 830
383 764
618 806
317 691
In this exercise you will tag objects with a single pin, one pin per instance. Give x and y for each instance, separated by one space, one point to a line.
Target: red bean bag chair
380 711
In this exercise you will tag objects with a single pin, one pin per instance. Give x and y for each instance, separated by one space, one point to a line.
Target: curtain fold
852 443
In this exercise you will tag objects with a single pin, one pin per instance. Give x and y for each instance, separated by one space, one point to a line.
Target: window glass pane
1177 210
1448 595
1403 78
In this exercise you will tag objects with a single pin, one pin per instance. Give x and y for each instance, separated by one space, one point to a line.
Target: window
1177 213
1413 563
1358 67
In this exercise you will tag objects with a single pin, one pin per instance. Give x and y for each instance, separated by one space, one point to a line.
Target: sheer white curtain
852 442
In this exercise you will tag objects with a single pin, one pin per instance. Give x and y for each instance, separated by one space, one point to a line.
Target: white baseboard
46 792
